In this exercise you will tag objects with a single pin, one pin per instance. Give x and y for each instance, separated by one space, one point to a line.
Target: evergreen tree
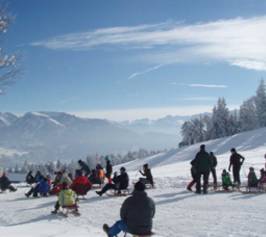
248 115
220 120
260 101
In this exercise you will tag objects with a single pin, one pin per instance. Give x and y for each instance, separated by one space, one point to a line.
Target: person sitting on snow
146 173
29 178
81 184
5 183
41 186
120 182
136 214
226 180
66 198
262 180
252 178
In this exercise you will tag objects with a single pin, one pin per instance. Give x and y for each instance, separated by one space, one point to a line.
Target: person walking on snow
213 169
236 161
202 164
136 214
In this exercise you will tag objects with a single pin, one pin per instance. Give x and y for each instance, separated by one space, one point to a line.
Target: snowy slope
252 145
179 213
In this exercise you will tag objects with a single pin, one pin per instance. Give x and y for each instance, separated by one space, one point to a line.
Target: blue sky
132 59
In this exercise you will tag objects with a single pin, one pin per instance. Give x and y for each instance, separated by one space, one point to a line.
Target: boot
106 229
99 193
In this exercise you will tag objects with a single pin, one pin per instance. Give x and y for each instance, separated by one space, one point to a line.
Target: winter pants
213 171
10 187
117 228
236 174
108 187
190 185
33 191
205 181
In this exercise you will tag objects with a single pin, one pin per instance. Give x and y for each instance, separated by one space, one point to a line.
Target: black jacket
137 212
4 182
121 181
213 161
109 169
236 160
202 162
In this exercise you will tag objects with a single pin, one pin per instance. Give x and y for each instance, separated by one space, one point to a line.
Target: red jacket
81 180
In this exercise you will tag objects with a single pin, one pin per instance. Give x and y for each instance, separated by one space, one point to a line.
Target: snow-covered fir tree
260 101
248 115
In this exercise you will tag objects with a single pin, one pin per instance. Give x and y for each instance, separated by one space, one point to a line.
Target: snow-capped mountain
56 135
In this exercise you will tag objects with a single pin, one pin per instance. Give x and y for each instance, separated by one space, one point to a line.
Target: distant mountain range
42 136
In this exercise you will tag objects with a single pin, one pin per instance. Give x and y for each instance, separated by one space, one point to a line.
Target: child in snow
252 178
66 198
262 180
226 180
193 174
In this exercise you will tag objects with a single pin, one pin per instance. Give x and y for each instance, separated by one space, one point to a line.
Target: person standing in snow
84 167
236 160
193 175
108 169
136 214
213 169
202 164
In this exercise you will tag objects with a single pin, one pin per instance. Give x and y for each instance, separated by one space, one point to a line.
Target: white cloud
208 86
200 98
238 42
150 69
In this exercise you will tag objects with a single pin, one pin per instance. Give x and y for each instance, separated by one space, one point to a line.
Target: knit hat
139 186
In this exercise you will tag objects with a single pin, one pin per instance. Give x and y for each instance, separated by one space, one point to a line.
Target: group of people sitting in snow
205 163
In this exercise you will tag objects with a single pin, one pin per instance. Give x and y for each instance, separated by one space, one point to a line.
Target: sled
115 193
73 209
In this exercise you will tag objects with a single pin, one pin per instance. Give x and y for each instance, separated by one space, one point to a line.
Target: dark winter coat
213 161
121 181
84 167
236 160
29 178
148 175
137 212
109 169
202 162
252 179
4 183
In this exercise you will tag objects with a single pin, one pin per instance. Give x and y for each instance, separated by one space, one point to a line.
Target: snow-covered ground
178 212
